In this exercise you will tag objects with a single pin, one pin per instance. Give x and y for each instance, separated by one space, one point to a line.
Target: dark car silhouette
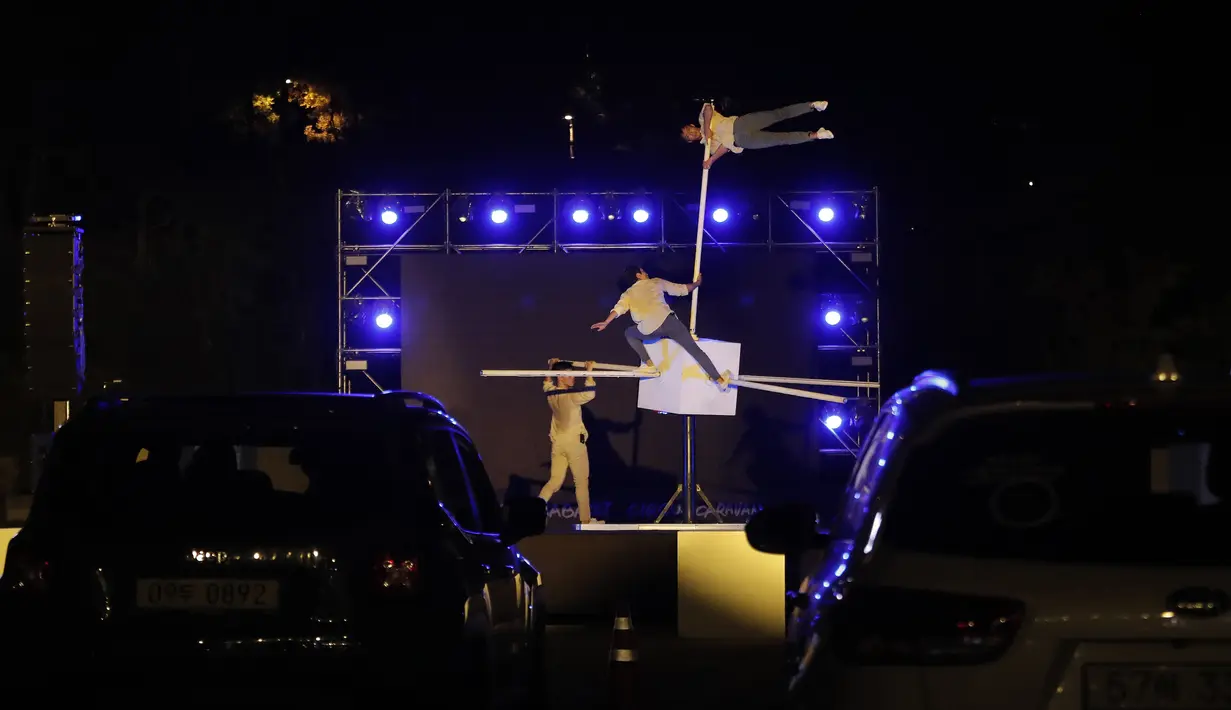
295 542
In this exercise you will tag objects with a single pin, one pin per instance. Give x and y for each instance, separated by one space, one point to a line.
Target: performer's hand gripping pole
696 263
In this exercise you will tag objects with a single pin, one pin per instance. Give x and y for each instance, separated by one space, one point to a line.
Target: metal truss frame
353 257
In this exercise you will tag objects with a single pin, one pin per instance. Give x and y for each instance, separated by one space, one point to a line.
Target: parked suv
1022 545
284 540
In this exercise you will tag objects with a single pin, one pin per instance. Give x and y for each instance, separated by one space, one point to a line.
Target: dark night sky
1106 109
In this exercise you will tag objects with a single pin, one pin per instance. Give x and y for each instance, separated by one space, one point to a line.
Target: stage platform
704 579
655 527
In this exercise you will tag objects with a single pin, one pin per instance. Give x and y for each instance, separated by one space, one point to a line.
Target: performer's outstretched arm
722 150
707 120
621 307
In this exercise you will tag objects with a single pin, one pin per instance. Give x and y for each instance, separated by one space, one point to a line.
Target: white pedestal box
683 387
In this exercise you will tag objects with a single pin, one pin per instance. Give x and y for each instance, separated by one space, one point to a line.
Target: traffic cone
622 663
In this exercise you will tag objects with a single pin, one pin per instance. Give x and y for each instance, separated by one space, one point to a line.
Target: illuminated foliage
300 103
327 128
264 106
308 96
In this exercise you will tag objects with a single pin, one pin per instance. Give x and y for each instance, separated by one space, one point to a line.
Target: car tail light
891 626
395 575
25 571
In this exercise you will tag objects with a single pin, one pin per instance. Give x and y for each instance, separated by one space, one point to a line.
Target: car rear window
1128 485
133 470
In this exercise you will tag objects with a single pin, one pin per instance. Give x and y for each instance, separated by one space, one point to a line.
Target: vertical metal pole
340 356
876 236
555 212
662 224
690 473
690 432
696 262
769 222
448 219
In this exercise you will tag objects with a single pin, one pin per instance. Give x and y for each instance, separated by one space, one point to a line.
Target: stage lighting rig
833 313
640 207
579 209
844 311
833 416
354 206
462 209
610 208
499 208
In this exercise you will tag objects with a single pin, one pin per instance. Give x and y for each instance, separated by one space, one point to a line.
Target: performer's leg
579 464
760 120
757 140
636 340
559 466
677 331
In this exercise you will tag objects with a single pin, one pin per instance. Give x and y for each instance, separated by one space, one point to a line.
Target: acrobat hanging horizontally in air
735 134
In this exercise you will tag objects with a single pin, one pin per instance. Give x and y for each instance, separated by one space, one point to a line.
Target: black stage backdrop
488 310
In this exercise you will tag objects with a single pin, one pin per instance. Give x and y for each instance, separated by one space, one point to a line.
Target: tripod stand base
679 489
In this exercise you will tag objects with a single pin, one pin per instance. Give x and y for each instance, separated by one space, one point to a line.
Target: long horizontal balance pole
805 381
740 382
602 365
746 378
559 373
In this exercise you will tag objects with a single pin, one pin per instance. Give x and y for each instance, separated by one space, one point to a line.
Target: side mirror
523 518
785 529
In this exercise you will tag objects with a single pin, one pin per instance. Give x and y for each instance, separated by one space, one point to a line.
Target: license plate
1157 687
207 594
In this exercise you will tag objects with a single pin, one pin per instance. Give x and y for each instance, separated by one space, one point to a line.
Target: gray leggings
675 330
750 128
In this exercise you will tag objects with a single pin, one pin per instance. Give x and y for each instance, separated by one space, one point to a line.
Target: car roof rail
426 401
935 379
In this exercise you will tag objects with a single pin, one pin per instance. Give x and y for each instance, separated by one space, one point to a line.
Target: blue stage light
825 214
384 320
388 216
580 216
833 417
640 216
833 316
719 215
500 216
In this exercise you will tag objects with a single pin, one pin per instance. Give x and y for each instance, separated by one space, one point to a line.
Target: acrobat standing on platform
644 299
568 435
735 134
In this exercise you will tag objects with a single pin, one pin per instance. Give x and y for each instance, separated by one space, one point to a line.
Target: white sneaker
820 105
650 370
823 134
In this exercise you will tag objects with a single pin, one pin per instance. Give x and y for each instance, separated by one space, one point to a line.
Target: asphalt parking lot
670 673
